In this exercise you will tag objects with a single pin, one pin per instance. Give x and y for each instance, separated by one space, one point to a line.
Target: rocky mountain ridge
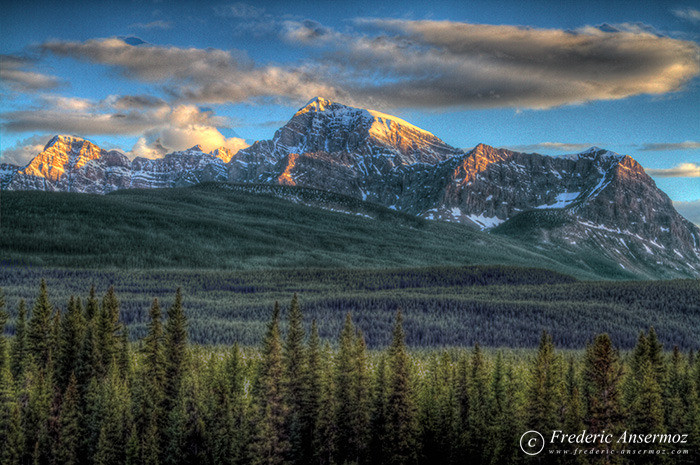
596 199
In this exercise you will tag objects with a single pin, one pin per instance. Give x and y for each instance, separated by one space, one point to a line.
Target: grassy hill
240 228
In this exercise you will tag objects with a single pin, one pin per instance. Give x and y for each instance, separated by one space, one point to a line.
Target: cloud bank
684 170
16 73
687 145
431 64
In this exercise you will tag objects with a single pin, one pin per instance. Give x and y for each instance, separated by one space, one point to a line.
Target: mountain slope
218 226
595 202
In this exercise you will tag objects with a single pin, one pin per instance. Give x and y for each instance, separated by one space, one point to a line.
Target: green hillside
229 227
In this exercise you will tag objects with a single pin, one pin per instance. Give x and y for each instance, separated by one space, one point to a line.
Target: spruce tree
477 420
573 407
18 350
295 365
10 427
312 400
602 372
92 308
326 434
186 431
345 393
362 415
4 356
460 428
544 392
107 330
35 422
218 416
235 371
401 411
68 446
147 441
270 443
378 422
114 420
437 411
175 348
39 329
70 337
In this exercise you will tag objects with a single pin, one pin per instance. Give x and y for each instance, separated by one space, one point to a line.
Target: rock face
72 164
596 199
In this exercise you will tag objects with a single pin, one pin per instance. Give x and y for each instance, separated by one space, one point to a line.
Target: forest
75 389
444 306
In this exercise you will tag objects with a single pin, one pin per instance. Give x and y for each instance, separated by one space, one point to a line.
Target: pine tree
460 428
345 374
88 363
175 348
437 411
602 372
39 329
544 398
35 421
326 437
643 393
573 407
68 446
656 357
682 411
70 337
92 308
378 422
146 444
295 365
124 357
18 350
4 359
114 419
235 374
312 400
270 443
107 331
401 411
362 415
10 427
186 431
477 420
218 416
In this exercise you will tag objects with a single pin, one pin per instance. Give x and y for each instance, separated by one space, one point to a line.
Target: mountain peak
63 138
195 148
316 104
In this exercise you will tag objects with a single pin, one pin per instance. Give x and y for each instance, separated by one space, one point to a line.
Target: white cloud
24 150
688 14
159 24
15 74
444 63
198 75
684 170
562 147
162 128
687 145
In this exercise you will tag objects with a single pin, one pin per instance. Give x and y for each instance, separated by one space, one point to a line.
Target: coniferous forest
75 389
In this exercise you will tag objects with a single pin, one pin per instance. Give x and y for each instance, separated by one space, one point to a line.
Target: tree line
75 390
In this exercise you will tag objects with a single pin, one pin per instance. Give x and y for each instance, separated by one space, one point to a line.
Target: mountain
595 201
73 164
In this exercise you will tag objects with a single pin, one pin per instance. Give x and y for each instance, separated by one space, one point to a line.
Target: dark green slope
230 227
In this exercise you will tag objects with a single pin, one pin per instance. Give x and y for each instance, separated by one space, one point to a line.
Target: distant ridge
596 200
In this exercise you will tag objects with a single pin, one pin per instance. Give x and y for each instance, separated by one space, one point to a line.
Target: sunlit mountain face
595 199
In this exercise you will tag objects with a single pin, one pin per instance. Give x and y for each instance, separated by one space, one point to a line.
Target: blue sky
534 76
